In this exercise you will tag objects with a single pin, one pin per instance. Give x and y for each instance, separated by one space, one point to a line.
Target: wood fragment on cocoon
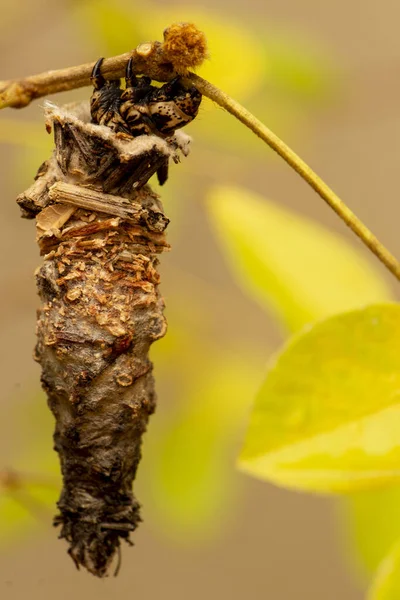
100 228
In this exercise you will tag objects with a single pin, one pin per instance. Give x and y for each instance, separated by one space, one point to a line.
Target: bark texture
100 229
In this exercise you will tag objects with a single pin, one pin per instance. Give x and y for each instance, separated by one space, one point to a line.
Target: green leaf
26 508
25 133
190 485
33 144
327 418
28 504
298 68
114 26
386 584
372 522
15 519
289 264
121 29
187 482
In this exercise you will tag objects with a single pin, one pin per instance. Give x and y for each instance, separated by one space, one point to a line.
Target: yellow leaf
327 418
372 521
386 584
289 264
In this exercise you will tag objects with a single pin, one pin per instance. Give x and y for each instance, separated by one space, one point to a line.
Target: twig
84 197
340 208
148 59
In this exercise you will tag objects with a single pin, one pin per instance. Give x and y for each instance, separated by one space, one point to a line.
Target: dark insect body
100 229
142 108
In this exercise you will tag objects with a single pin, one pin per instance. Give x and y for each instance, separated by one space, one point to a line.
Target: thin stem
340 208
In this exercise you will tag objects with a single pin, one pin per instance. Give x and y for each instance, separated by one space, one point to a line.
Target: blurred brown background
273 544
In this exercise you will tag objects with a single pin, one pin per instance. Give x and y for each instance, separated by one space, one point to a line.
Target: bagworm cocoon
100 229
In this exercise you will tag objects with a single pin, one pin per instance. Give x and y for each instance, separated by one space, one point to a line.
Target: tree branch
184 47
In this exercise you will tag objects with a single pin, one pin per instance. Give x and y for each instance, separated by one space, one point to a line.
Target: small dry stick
67 193
20 93
184 48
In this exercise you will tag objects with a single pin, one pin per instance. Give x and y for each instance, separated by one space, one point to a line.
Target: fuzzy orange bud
184 46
